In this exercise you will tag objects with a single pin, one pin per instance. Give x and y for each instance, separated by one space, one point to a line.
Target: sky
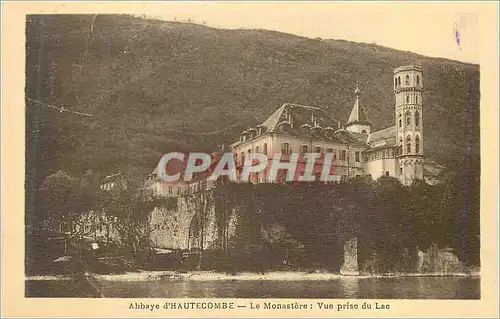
426 28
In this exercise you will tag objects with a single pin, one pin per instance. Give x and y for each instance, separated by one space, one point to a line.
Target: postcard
249 159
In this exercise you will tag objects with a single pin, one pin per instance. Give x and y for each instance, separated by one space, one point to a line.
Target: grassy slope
143 78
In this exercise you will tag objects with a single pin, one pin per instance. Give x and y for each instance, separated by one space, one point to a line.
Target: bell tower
408 87
358 121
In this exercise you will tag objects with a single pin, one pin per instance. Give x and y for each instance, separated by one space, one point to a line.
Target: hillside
144 81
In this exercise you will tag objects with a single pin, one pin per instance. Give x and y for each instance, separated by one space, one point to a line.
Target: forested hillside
153 86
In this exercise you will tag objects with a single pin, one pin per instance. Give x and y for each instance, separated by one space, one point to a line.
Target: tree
201 199
127 211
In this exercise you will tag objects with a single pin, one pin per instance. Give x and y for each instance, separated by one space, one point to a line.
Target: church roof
301 115
357 113
387 134
304 120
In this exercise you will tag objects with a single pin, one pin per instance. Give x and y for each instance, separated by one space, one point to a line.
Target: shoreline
174 276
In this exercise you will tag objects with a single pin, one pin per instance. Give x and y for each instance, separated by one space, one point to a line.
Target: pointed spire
357 114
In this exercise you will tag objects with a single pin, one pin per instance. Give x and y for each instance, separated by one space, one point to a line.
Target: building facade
357 150
396 151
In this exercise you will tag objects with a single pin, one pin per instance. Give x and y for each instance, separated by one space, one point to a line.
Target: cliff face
153 86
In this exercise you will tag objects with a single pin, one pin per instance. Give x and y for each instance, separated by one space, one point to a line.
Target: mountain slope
144 81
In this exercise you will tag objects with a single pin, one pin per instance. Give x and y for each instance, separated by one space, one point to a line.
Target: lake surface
348 287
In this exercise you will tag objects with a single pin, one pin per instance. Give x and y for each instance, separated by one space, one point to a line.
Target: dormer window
305 128
243 136
284 126
252 133
329 132
316 130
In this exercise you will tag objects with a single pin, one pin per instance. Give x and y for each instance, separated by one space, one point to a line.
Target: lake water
348 287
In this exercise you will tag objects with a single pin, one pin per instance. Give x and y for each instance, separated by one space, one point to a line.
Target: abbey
358 150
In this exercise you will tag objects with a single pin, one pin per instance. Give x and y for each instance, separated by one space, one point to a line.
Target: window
386 173
416 99
285 148
356 156
400 146
304 149
330 150
395 83
407 80
408 118
242 158
408 145
265 148
417 144
319 149
363 131
256 149
401 170
417 118
407 99
418 80
343 155
399 80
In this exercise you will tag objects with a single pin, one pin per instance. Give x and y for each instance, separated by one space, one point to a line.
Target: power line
143 132
58 108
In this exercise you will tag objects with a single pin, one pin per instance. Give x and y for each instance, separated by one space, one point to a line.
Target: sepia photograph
108 97
314 156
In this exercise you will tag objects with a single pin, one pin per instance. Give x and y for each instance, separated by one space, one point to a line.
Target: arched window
418 79
408 145
417 144
417 118
256 149
395 83
400 121
399 80
285 149
407 99
363 131
400 146
416 99
304 149
265 148
408 118
319 149
407 79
